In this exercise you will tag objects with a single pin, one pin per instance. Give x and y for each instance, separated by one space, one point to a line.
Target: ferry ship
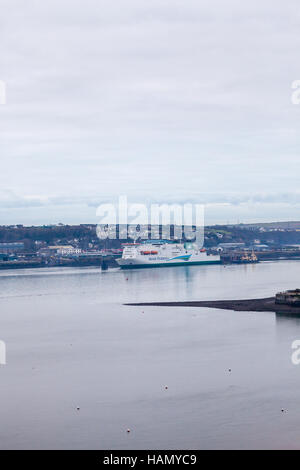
161 253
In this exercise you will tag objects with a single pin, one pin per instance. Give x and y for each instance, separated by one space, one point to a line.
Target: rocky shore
249 305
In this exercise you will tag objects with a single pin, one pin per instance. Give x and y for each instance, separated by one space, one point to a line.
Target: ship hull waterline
166 265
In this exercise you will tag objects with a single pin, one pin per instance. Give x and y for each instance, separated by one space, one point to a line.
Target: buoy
166 387
128 430
229 370
77 408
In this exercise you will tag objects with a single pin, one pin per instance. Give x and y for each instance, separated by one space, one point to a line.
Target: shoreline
246 305
16 265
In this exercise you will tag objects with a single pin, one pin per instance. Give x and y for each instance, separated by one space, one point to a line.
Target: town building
11 247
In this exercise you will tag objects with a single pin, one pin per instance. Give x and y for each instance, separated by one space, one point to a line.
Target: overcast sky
161 100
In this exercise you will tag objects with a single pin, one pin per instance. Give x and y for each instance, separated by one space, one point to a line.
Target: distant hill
274 234
292 225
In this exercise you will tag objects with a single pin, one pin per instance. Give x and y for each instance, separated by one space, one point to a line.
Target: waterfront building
289 297
11 247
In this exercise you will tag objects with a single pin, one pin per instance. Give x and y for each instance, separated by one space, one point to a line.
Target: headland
248 305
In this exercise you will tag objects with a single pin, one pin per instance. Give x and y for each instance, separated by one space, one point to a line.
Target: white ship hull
163 255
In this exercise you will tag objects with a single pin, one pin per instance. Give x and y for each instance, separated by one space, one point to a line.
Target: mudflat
248 305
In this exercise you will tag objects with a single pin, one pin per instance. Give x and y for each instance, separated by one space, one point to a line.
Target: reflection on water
181 283
283 317
71 342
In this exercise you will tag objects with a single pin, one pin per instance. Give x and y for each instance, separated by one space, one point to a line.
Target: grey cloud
149 98
15 201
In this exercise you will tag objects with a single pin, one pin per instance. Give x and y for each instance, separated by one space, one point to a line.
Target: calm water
72 343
